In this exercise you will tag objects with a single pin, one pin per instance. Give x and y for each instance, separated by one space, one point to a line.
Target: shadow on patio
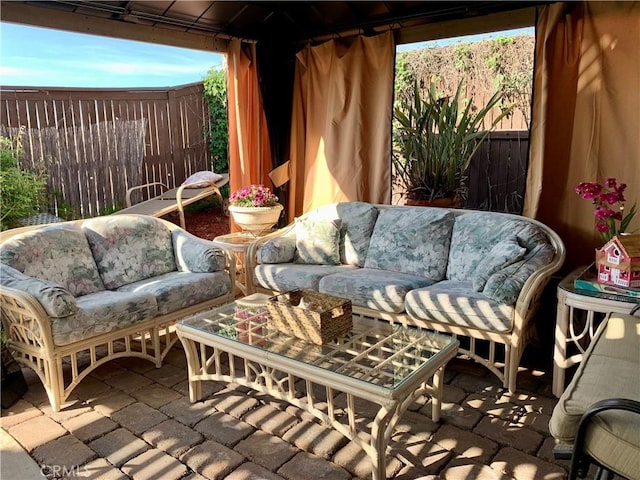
131 420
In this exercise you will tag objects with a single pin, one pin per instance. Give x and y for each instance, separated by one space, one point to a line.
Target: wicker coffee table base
212 357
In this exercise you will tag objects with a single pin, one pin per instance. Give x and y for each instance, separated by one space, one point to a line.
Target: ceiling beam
521 18
25 14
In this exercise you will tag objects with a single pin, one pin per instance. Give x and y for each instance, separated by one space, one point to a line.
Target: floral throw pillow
317 242
202 179
503 254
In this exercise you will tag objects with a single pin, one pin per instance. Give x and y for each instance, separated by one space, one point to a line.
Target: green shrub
22 193
215 93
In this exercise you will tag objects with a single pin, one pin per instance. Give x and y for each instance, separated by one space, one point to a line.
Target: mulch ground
206 223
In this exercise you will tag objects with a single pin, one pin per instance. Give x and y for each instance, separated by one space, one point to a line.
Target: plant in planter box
434 141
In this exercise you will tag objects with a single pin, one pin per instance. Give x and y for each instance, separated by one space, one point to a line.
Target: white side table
578 316
238 243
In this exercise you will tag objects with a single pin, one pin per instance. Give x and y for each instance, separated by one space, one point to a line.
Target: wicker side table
578 316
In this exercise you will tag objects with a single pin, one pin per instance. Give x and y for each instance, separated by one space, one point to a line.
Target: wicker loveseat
473 274
75 295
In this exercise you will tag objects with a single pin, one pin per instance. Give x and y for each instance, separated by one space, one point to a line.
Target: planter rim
253 209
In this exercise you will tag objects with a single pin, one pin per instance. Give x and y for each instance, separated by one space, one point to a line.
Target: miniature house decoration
618 261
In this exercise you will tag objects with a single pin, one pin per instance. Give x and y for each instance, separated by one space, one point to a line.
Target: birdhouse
618 261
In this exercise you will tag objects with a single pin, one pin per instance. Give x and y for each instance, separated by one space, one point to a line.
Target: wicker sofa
477 275
75 295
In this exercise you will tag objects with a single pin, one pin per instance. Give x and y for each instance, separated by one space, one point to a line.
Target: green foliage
463 57
61 207
22 193
434 141
215 93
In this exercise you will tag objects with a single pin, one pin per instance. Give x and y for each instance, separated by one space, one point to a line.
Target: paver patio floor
131 420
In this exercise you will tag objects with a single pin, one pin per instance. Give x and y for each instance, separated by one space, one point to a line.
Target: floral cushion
202 179
287 276
503 254
175 290
277 250
368 288
357 222
195 254
58 254
56 300
456 303
505 285
399 241
129 248
317 242
103 312
476 233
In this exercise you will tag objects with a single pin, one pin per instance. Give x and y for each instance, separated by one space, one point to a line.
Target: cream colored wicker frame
511 343
61 368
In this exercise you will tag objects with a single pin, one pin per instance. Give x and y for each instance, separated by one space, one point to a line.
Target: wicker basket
312 316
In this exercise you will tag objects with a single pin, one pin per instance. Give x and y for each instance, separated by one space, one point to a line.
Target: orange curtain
585 122
341 123
249 151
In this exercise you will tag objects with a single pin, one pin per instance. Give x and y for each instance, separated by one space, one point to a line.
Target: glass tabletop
375 351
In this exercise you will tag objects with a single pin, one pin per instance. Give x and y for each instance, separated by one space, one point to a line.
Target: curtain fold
585 121
249 150
340 147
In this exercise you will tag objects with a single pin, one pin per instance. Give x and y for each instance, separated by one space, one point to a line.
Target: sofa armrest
195 254
24 320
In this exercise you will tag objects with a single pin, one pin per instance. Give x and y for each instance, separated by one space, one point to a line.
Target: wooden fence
94 144
498 173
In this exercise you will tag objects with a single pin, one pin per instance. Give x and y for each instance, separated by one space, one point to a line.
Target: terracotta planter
256 219
449 202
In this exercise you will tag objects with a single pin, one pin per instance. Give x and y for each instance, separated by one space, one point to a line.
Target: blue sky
41 57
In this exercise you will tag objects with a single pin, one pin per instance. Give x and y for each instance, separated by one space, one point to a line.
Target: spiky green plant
435 139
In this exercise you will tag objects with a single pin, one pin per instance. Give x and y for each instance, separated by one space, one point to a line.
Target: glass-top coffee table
389 365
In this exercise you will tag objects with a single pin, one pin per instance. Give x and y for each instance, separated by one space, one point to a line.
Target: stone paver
128 381
506 433
108 404
186 412
172 437
521 466
457 415
156 395
20 411
100 469
305 466
465 468
465 444
318 439
353 459
251 471
266 450
420 452
89 425
167 375
36 431
119 446
212 460
65 453
496 407
224 428
154 464
234 403
270 419
90 388
138 417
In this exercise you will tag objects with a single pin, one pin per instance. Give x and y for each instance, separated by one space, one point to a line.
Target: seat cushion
457 303
376 289
283 277
128 248
103 312
399 244
609 370
476 233
175 290
58 254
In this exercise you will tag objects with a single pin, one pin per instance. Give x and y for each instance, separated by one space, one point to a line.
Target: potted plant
254 208
434 141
